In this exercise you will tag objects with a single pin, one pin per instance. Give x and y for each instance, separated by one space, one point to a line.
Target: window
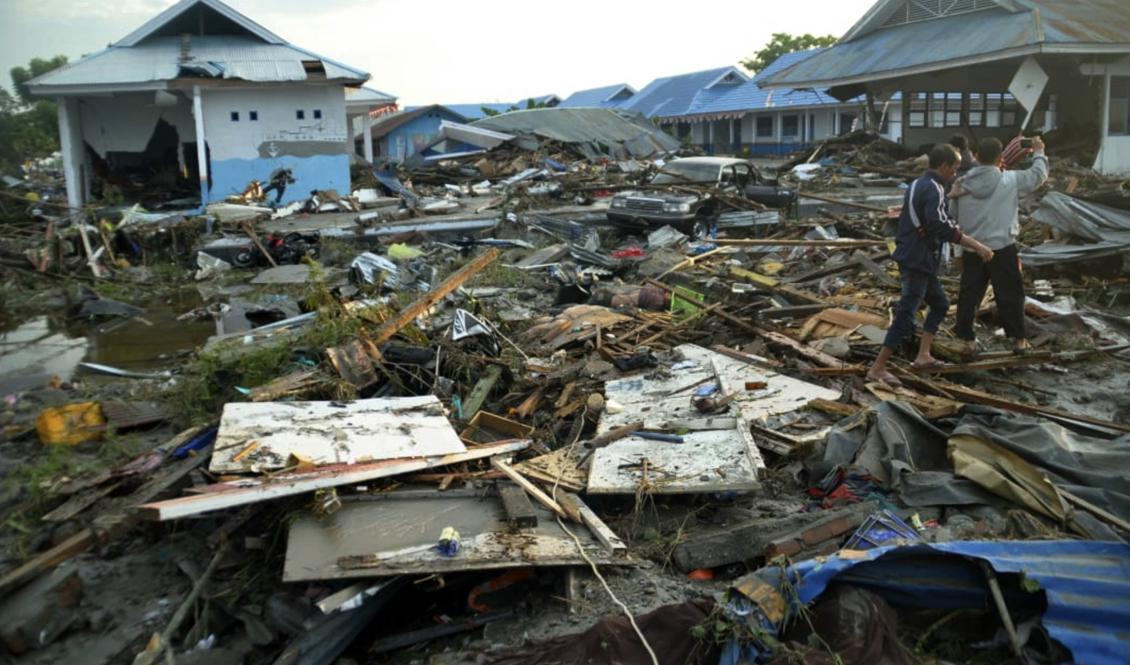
764 126
1119 115
317 114
1000 110
976 109
919 102
790 125
253 116
300 114
953 109
235 116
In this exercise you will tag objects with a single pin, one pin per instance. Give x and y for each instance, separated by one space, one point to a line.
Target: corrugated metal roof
945 42
603 127
367 94
154 24
1087 585
596 97
475 111
158 59
674 95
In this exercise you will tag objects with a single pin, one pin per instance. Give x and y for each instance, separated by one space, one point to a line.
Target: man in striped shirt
924 227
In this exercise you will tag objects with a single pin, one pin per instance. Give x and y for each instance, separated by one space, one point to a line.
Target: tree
28 126
36 67
782 43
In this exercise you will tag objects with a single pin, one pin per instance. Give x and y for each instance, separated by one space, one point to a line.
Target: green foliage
530 104
782 43
36 67
28 126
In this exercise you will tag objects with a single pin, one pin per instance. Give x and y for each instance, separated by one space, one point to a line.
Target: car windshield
677 172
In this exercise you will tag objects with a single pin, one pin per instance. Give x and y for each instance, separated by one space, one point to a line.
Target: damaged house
398 136
198 103
724 111
989 68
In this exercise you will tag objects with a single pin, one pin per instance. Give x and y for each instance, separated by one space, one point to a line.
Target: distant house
988 68
398 136
204 99
476 112
610 96
362 105
724 111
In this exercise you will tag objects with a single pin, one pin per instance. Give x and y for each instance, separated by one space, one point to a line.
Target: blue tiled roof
595 97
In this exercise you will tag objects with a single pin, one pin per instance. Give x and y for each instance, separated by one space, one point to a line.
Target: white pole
367 142
71 156
201 146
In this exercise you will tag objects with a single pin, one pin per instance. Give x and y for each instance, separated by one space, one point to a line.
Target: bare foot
884 377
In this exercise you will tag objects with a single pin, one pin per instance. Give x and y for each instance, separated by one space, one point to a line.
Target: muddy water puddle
46 346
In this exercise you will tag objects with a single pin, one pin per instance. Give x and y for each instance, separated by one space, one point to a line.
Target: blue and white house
203 93
724 111
398 136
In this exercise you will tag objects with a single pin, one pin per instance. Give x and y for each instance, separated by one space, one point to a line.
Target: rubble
457 409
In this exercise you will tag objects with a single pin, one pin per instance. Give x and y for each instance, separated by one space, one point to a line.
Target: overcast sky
456 51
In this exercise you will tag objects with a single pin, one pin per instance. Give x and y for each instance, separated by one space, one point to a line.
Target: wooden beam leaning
454 281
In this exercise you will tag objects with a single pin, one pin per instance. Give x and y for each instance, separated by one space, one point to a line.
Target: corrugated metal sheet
158 59
934 43
594 97
601 129
1087 584
673 95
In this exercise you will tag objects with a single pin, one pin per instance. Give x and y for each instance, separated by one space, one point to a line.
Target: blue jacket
924 225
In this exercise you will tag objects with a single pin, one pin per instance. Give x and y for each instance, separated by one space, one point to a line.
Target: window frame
757 129
795 118
234 116
253 116
1122 96
300 114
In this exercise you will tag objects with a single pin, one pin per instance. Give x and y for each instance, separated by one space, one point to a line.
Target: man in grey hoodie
986 204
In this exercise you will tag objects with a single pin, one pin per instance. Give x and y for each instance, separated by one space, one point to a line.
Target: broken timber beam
480 392
715 311
531 488
607 537
519 511
770 242
253 490
850 204
454 281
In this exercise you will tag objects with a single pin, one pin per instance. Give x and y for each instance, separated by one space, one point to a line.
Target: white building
203 99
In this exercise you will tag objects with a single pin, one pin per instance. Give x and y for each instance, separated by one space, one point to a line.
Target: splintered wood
257 436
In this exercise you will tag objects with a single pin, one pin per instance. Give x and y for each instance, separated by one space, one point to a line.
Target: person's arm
1030 179
941 227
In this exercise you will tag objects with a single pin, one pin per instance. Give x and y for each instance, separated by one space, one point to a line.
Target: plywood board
396 537
648 396
707 461
259 436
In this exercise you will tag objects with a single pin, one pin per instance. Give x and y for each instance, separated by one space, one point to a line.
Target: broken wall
125 122
315 149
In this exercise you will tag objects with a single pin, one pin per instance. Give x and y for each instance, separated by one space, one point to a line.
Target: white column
201 149
367 129
1104 108
71 145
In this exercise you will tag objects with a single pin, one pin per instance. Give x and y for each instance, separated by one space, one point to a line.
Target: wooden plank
519 513
421 305
833 407
1095 510
805 351
559 467
770 242
253 490
531 488
331 432
605 535
850 204
481 391
80 502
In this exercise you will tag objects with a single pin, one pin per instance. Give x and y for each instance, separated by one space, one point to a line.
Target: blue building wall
231 176
412 136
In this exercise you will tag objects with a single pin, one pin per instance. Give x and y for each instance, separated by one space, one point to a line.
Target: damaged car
690 209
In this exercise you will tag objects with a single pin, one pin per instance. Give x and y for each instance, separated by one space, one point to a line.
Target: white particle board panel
394 536
648 396
260 436
707 461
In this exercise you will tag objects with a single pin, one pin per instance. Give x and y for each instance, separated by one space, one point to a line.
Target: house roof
233 47
597 97
387 123
874 51
368 96
677 95
475 111
598 130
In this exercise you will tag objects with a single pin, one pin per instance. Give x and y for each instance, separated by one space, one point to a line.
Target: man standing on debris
924 227
986 203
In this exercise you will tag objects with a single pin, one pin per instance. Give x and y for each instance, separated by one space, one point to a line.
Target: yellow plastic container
71 424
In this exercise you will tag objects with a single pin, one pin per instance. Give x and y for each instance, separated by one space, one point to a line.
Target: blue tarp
1086 583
